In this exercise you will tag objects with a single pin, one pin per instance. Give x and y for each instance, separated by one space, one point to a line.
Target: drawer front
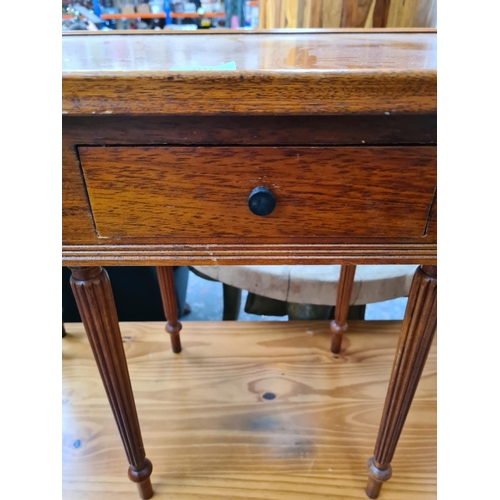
202 192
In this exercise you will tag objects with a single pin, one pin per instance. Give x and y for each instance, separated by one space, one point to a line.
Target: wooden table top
354 108
250 72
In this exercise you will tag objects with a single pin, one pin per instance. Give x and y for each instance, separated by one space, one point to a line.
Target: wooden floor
212 434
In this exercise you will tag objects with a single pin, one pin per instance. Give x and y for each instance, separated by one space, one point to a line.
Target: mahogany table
315 147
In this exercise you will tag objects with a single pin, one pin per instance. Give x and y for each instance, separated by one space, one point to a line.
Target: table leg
167 289
339 325
94 299
232 302
415 339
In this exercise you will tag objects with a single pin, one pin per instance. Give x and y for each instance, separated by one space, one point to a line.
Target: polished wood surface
365 194
96 306
169 300
81 243
210 432
417 333
329 51
338 325
341 130
327 73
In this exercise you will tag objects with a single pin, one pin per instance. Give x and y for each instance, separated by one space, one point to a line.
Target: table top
289 52
250 72
354 108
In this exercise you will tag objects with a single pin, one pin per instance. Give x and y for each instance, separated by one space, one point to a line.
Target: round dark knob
261 201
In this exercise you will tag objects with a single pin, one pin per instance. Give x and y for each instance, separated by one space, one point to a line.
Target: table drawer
203 192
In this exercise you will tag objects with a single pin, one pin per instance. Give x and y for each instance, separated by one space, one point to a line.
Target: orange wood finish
80 241
275 73
180 192
160 154
339 324
167 290
96 306
417 333
212 436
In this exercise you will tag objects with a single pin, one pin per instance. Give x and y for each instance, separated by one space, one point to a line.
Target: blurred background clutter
246 14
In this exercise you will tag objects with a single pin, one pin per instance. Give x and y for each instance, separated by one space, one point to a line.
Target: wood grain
94 299
415 340
291 8
264 93
380 12
348 14
355 13
149 253
211 434
81 244
312 14
183 192
393 72
80 241
359 130
332 13
78 225
274 14
411 13
338 325
169 300
371 14
262 16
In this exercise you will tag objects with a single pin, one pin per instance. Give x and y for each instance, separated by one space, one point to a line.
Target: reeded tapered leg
167 289
339 325
96 305
415 339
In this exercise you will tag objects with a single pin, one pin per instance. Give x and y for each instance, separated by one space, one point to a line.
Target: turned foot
376 478
415 339
94 299
141 478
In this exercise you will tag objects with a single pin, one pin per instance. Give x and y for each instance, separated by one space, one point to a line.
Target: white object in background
156 6
180 27
316 284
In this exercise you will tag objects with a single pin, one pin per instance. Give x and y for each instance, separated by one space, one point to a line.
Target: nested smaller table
316 285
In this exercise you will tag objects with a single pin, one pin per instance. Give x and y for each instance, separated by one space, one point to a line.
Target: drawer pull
261 201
